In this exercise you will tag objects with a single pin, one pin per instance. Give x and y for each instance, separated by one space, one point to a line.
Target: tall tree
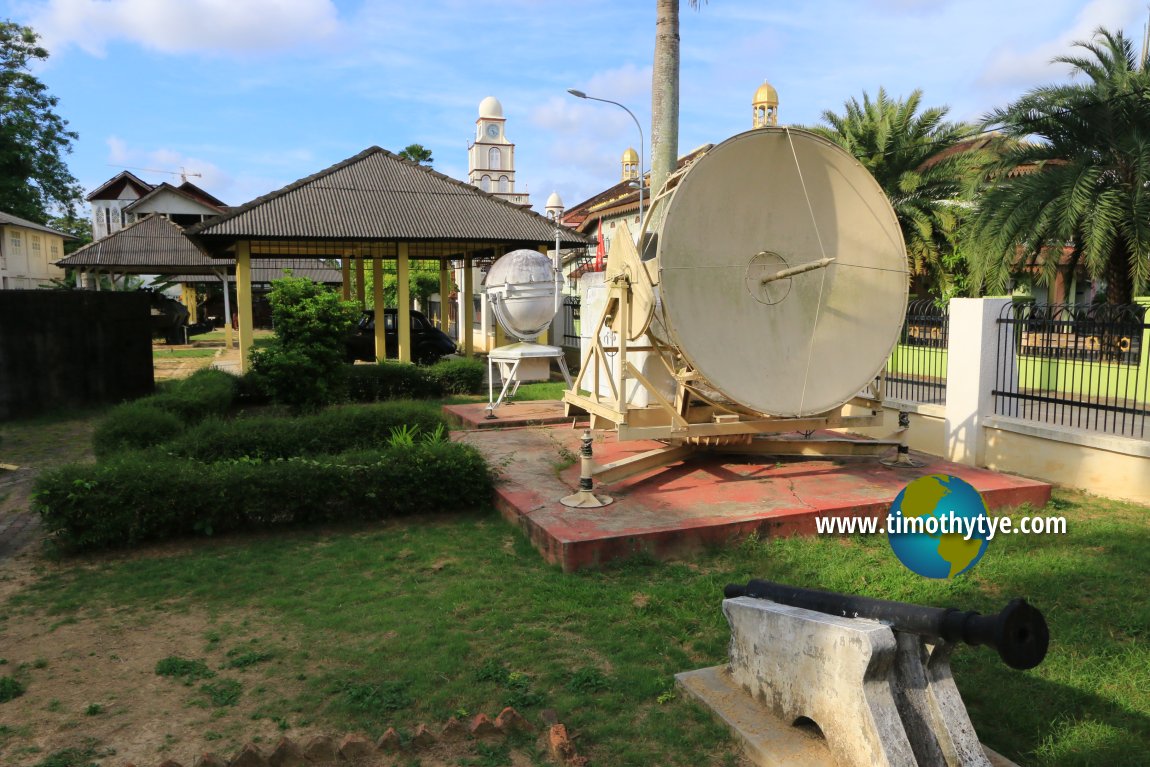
78 227
925 167
418 154
1078 177
33 139
665 93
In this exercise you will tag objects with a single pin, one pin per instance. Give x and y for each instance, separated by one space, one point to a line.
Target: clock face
493 131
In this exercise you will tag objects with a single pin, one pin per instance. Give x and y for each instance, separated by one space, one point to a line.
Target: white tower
491 159
554 206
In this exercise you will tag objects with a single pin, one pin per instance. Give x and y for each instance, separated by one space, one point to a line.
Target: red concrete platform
532 413
709 499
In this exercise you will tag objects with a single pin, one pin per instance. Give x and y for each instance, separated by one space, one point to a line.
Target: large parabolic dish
765 201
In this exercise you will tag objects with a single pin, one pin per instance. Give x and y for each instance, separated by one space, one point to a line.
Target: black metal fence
570 315
1074 365
916 370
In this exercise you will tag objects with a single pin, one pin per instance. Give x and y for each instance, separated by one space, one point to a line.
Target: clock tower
491 159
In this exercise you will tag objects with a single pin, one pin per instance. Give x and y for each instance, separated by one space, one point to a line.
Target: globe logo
938 525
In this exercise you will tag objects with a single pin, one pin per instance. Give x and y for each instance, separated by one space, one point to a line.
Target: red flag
600 249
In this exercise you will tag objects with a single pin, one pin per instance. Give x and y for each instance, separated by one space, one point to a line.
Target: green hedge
459 376
159 417
137 497
332 431
204 393
390 380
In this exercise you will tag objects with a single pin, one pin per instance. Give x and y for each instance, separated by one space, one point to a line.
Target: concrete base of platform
767 741
707 500
473 415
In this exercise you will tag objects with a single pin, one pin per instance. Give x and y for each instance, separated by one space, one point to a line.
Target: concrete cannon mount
806 689
708 499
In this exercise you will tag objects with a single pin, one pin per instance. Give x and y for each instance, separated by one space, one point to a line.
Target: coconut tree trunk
1119 282
665 94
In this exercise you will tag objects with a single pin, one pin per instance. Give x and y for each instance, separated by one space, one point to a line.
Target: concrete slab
708 499
473 415
767 740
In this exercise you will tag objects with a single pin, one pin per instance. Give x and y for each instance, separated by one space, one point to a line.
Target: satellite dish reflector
782 275
522 286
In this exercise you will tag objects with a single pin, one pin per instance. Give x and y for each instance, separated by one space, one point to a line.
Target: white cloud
1011 66
186 26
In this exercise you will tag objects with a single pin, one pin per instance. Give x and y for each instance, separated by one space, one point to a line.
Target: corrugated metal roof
9 220
124 176
266 270
153 245
376 195
619 198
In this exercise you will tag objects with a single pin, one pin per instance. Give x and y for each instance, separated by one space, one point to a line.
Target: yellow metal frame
694 417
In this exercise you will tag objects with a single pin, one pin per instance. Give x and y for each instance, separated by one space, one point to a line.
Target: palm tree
925 165
418 154
665 92
1078 177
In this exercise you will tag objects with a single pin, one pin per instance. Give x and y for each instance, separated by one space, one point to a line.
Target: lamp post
580 94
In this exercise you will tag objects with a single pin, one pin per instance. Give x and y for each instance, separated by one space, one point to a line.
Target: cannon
1019 632
873 677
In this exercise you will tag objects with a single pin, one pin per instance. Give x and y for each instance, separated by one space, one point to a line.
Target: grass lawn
392 624
527 392
165 354
368 627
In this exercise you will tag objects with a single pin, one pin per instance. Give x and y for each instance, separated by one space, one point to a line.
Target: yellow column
360 282
377 297
542 339
345 275
465 318
188 293
444 290
403 298
244 300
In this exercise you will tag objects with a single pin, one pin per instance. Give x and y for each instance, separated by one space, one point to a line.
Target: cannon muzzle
1018 632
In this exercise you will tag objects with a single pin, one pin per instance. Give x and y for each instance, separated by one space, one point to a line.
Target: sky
255 94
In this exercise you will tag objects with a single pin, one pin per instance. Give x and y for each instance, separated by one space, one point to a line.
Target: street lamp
580 94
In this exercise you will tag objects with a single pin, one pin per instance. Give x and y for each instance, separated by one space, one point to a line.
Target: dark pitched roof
378 196
123 177
268 269
153 245
189 188
200 199
10 220
620 198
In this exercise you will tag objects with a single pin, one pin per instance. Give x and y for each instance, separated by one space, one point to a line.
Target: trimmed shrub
459 376
136 497
134 426
303 365
390 380
203 394
157 418
333 431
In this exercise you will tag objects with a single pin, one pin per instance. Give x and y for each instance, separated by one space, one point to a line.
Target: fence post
972 357
1144 354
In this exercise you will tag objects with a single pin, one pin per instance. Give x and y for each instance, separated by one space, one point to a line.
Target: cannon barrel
1018 632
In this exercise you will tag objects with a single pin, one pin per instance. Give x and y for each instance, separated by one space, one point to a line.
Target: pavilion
371 208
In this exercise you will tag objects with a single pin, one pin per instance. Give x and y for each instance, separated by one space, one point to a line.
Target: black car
428 343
